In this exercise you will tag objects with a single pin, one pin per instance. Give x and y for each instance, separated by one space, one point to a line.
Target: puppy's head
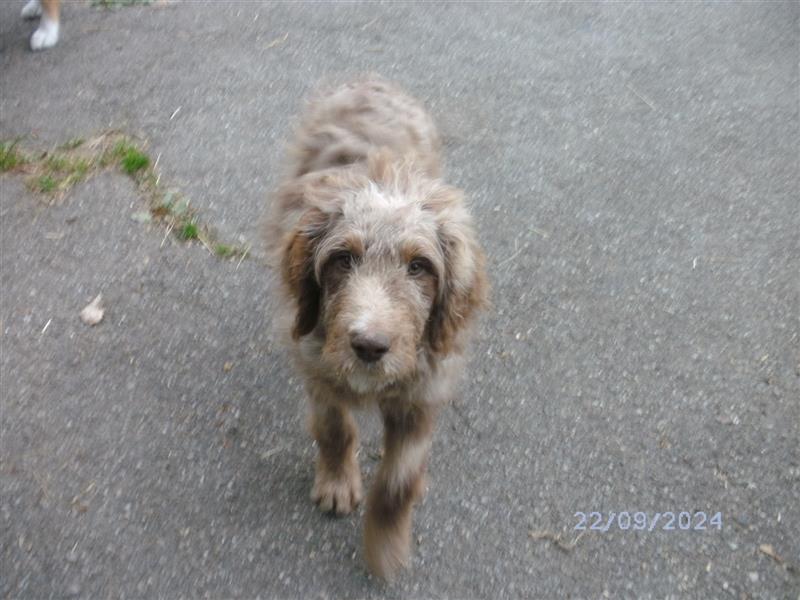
385 268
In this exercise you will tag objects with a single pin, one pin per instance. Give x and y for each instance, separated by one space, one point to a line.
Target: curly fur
383 276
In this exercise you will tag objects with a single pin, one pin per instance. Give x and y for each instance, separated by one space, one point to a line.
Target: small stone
753 576
73 590
93 313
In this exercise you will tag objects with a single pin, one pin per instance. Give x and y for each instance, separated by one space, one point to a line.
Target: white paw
31 10
46 36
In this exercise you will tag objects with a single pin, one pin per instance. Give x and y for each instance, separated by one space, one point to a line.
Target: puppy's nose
370 347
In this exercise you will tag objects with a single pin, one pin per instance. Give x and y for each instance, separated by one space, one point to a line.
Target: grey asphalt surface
633 170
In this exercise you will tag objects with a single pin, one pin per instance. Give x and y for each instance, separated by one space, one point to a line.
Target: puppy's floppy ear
463 288
302 213
297 269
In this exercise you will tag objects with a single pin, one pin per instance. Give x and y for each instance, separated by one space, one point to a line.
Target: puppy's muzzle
370 347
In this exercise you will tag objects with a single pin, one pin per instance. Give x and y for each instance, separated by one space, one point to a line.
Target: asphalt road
633 169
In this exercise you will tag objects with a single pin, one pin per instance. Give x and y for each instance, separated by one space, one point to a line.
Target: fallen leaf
227 366
770 551
93 313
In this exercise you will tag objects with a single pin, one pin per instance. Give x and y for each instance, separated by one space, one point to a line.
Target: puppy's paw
340 493
387 550
31 10
46 36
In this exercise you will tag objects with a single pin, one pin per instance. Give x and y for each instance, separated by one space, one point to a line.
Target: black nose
370 347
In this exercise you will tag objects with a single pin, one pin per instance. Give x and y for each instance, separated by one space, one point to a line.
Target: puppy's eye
418 266
343 261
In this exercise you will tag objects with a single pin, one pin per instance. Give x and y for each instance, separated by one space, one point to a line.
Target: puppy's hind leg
46 36
337 482
399 483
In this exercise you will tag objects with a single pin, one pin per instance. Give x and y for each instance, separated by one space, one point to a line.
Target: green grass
79 169
64 171
56 162
9 157
134 161
46 184
189 231
225 251
72 144
53 173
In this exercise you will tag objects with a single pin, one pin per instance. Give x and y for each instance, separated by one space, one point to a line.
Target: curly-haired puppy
382 276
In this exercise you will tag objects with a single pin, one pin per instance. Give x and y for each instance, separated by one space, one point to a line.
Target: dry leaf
93 313
770 551
227 366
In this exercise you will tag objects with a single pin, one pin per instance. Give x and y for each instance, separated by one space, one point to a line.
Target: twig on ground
244 255
557 540
277 41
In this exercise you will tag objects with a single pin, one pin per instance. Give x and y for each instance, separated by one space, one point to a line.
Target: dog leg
46 36
399 482
337 483
32 9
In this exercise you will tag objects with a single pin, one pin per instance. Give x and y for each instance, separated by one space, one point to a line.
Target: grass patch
56 162
46 184
10 157
133 161
78 171
229 251
59 172
224 251
54 173
189 231
72 144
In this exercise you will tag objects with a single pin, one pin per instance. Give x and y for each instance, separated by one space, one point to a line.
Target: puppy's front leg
399 483
337 483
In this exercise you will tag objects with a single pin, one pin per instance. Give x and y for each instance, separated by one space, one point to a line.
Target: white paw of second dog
32 9
46 35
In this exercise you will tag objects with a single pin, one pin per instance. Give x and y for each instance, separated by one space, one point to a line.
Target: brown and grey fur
378 258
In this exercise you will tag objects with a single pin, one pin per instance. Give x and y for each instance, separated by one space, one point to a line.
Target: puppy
382 278
46 35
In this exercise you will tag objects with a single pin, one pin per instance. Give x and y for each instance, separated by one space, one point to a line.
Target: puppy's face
379 269
385 275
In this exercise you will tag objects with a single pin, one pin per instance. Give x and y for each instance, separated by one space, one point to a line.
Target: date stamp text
644 521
